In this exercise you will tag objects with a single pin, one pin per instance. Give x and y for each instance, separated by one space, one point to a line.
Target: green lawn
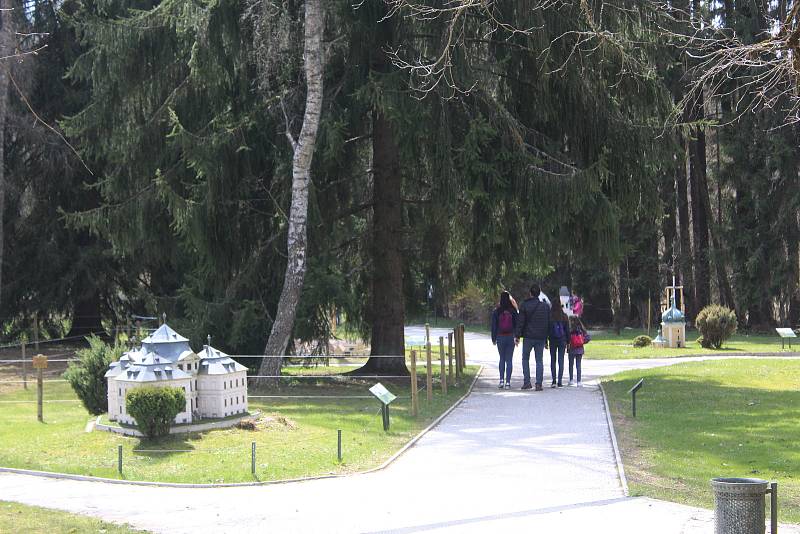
606 345
296 438
696 421
34 520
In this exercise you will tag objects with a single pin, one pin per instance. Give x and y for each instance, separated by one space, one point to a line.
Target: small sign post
386 397
39 363
786 335
633 392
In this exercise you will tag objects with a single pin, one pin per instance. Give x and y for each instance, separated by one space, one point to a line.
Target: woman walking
504 323
578 337
558 337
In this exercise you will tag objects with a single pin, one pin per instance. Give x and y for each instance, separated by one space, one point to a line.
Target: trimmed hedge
716 325
155 408
86 376
642 341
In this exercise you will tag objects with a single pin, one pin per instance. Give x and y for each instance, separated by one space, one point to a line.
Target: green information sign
383 394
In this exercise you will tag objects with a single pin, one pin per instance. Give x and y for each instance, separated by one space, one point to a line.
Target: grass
700 420
295 437
35 520
606 345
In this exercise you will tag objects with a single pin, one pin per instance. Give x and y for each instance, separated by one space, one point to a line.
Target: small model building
215 384
673 321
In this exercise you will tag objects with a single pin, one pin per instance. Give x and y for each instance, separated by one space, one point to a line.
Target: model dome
673 315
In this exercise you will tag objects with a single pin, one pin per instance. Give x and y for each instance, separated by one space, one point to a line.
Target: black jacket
534 319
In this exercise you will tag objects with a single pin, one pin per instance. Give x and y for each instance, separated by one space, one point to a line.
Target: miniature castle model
215 384
673 322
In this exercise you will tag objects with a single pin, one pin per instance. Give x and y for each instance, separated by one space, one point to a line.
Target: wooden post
457 353
683 305
39 395
429 373
463 347
414 399
36 332
119 459
443 371
649 309
450 356
427 333
24 367
39 363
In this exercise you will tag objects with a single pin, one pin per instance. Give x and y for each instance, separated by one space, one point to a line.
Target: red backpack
505 323
576 340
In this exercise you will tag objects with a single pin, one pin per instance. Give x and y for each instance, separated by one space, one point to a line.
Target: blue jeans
557 348
505 346
538 349
577 359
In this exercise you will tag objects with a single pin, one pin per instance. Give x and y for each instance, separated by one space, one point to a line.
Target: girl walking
578 337
558 337
504 323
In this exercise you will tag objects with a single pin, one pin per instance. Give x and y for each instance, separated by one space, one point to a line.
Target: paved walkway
509 461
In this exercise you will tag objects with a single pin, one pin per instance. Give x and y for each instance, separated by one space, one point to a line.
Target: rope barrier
42 341
320 357
31 381
34 402
316 397
48 360
329 376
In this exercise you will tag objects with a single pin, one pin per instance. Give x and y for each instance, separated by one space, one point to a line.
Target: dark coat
496 322
534 319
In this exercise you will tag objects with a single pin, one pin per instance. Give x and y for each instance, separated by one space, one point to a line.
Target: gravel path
504 459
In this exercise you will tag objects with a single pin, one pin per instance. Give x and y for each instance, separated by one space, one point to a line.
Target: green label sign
383 394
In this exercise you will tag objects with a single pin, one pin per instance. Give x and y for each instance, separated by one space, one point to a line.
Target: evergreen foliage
642 341
155 408
716 324
87 375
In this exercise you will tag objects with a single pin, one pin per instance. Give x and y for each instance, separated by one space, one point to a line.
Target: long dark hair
505 301
557 314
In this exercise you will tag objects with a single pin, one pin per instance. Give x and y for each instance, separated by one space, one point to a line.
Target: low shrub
472 305
155 408
716 325
642 341
86 375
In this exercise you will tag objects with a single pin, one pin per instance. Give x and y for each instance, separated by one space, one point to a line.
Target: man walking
533 325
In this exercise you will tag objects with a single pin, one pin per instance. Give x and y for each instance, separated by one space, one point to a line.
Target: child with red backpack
504 324
578 337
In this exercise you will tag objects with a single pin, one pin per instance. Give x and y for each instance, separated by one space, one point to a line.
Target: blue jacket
496 323
534 319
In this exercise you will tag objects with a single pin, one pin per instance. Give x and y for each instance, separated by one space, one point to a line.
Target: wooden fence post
450 356
443 371
463 347
429 374
457 354
427 333
414 399
24 367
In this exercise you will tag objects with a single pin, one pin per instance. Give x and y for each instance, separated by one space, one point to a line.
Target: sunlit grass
16 517
297 438
697 421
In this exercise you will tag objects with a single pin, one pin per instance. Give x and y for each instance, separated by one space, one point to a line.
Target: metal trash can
739 505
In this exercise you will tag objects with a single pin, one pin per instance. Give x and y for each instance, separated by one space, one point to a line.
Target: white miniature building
215 384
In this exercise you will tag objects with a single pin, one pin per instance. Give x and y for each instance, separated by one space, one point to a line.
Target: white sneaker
569 383
508 385
501 385
580 385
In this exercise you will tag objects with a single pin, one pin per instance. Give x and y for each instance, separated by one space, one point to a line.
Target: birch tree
303 148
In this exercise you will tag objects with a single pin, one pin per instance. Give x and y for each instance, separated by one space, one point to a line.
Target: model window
195 385
226 401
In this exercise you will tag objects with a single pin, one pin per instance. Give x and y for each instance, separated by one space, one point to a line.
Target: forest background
146 167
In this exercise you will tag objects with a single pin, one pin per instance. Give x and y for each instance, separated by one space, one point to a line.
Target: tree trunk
699 192
86 318
7 48
303 147
684 248
387 314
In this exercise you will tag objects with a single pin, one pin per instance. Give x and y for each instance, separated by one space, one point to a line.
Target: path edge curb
384 465
617 457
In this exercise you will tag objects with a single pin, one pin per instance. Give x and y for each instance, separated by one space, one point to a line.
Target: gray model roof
216 362
153 368
166 342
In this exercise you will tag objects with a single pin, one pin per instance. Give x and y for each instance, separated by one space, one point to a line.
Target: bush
155 408
471 305
716 325
642 341
86 376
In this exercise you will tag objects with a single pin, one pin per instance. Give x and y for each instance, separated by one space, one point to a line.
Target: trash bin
739 505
